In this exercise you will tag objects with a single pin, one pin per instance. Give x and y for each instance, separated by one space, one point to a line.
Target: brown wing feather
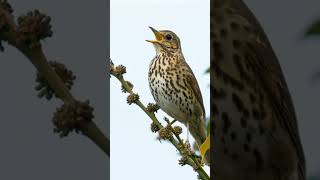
273 81
274 84
195 87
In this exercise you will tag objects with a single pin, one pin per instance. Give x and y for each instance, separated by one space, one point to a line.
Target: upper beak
157 34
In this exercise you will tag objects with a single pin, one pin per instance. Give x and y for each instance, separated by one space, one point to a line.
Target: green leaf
207 71
205 146
313 178
314 29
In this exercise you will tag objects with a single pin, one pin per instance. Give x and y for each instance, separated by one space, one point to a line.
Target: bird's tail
198 131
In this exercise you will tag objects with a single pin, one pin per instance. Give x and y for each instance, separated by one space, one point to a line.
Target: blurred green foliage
207 71
314 29
313 178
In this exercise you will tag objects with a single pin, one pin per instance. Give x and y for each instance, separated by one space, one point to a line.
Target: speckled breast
169 89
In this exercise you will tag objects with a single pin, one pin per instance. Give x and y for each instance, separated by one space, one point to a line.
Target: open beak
157 34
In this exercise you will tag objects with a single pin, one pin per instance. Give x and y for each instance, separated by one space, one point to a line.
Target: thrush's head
166 40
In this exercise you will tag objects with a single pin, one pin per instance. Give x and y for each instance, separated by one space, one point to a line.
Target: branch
188 157
26 37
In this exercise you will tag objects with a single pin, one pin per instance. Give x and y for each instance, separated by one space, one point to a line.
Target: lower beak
158 36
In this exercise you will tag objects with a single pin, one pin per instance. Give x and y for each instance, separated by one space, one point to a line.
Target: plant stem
179 145
39 60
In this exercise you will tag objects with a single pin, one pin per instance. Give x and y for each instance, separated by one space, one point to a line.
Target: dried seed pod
69 117
43 86
6 21
152 107
165 133
118 70
177 130
33 27
154 127
6 6
183 161
5 15
132 98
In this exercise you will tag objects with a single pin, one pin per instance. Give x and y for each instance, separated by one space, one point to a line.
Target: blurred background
134 148
29 148
286 24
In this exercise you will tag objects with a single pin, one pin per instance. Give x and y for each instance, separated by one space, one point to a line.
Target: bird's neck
166 57
168 52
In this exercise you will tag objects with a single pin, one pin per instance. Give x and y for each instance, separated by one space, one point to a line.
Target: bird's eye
168 37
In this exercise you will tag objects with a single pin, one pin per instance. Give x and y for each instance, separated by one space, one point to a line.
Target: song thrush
174 86
255 133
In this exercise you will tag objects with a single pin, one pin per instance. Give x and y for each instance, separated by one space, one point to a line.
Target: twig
26 37
188 158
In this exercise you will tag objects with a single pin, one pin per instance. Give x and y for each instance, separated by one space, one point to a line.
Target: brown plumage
174 86
255 132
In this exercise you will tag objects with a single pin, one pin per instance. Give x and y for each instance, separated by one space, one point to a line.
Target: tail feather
198 132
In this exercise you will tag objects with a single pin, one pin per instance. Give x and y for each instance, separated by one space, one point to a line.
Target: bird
254 127
174 86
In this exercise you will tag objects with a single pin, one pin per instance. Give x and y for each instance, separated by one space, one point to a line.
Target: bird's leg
173 121
168 121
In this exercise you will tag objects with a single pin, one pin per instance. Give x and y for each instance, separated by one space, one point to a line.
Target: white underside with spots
244 167
167 102
169 86
230 168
